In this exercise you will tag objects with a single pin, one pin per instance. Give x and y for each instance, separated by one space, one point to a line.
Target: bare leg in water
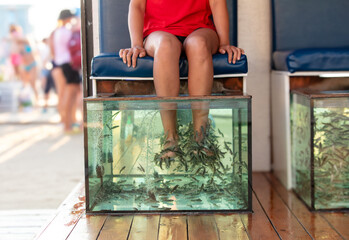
166 50
199 47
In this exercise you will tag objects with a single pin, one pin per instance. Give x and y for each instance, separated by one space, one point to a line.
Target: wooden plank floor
277 214
23 224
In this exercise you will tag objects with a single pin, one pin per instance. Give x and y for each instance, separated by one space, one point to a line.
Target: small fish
194 179
202 129
141 168
184 164
122 169
123 197
176 180
167 187
227 191
202 187
160 164
228 148
215 197
174 188
235 154
100 171
136 209
196 200
190 193
336 129
151 195
198 170
338 156
221 165
164 208
115 114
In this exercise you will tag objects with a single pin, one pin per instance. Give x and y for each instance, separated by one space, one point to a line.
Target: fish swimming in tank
201 160
330 153
203 175
100 172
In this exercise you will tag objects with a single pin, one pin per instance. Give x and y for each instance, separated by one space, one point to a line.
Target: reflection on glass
126 170
301 147
326 151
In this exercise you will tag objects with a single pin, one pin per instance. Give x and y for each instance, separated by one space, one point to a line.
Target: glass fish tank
320 148
130 167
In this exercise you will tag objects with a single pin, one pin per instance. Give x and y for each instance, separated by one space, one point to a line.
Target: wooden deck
23 224
277 214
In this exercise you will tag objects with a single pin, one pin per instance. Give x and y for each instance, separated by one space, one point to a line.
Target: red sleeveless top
179 17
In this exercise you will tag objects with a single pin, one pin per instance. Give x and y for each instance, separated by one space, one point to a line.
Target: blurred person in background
47 81
75 53
29 71
15 35
67 79
23 60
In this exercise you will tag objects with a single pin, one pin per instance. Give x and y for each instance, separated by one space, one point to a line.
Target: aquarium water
320 150
127 168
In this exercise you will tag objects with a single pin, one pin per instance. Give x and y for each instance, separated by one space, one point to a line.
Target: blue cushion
111 65
312 59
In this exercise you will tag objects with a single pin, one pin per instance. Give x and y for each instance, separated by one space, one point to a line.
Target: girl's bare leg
166 50
60 83
199 47
70 105
32 76
29 78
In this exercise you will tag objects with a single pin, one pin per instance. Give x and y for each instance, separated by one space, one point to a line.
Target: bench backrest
310 24
114 27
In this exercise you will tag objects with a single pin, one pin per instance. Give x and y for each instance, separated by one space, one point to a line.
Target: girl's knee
168 45
197 44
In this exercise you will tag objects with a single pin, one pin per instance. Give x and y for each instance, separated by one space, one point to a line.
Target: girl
166 29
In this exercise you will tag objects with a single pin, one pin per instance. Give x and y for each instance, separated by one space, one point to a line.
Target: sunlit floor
39 165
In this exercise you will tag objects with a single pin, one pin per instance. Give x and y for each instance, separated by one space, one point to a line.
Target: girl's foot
168 153
169 149
203 150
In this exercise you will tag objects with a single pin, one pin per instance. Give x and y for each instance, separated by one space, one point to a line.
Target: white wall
254 36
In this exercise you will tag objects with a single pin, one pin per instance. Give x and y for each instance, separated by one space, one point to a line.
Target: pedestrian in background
23 61
15 56
67 79
47 81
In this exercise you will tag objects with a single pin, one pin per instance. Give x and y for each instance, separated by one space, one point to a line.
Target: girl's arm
221 21
135 25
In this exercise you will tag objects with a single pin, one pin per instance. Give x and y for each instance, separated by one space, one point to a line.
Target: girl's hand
129 55
234 53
